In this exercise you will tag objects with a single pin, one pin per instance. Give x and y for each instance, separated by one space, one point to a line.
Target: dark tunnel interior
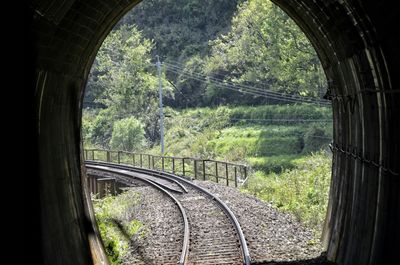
358 46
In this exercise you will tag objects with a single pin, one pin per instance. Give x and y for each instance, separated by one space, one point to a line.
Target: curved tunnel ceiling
358 49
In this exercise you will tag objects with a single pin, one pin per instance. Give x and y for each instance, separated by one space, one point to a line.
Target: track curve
210 231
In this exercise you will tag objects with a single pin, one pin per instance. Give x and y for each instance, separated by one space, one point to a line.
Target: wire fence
229 174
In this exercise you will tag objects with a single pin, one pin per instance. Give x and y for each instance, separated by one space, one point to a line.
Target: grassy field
290 164
288 156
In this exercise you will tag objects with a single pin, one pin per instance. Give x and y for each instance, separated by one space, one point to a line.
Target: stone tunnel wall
357 52
358 49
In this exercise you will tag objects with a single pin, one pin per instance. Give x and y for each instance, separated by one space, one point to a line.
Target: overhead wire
244 88
246 91
175 68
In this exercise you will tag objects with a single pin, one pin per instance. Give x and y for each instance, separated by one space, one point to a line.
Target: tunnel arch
359 54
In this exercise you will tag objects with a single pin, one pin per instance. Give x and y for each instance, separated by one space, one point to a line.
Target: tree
100 130
124 66
181 28
266 49
124 82
188 92
128 135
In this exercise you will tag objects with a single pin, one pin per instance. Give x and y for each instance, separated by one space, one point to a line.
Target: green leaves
123 61
128 135
114 223
125 84
266 49
302 190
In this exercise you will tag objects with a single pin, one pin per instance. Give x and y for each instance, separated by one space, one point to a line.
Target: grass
275 164
116 226
302 190
287 167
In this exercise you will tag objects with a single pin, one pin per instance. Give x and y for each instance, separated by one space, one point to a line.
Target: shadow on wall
321 260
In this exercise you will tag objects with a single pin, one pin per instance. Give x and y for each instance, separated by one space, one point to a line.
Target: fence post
141 160
133 159
227 175
86 153
108 156
204 170
119 157
173 165
183 166
152 162
162 163
236 182
245 172
94 185
195 168
93 154
149 161
113 188
216 170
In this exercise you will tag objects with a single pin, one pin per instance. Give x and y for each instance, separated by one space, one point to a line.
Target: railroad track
212 234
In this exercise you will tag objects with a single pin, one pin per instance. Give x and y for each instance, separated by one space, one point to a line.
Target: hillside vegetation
288 155
213 53
268 138
235 75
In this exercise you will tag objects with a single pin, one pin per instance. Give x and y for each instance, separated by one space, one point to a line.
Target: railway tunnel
358 45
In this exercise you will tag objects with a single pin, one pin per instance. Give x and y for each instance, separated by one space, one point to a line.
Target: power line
244 88
284 120
231 87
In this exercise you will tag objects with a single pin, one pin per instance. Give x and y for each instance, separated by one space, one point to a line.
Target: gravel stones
271 235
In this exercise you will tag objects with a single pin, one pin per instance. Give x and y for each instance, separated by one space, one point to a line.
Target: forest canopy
209 51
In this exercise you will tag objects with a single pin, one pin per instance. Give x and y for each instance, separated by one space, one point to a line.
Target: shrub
111 216
302 191
128 135
270 164
314 139
101 128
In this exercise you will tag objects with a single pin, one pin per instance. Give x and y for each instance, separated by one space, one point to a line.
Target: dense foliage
116 227
203 46
181 28
251 43
128 134
302 190
265 48
123 85
266 137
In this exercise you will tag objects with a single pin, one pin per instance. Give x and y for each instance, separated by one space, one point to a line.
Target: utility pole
161 106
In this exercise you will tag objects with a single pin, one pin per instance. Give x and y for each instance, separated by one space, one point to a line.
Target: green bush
315 138
277 146
270 164
302 191
111 216
101 128
128 135
295 111
255 144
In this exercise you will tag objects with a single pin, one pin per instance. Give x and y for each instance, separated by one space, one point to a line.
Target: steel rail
186 233
139 170
140 178
222 205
